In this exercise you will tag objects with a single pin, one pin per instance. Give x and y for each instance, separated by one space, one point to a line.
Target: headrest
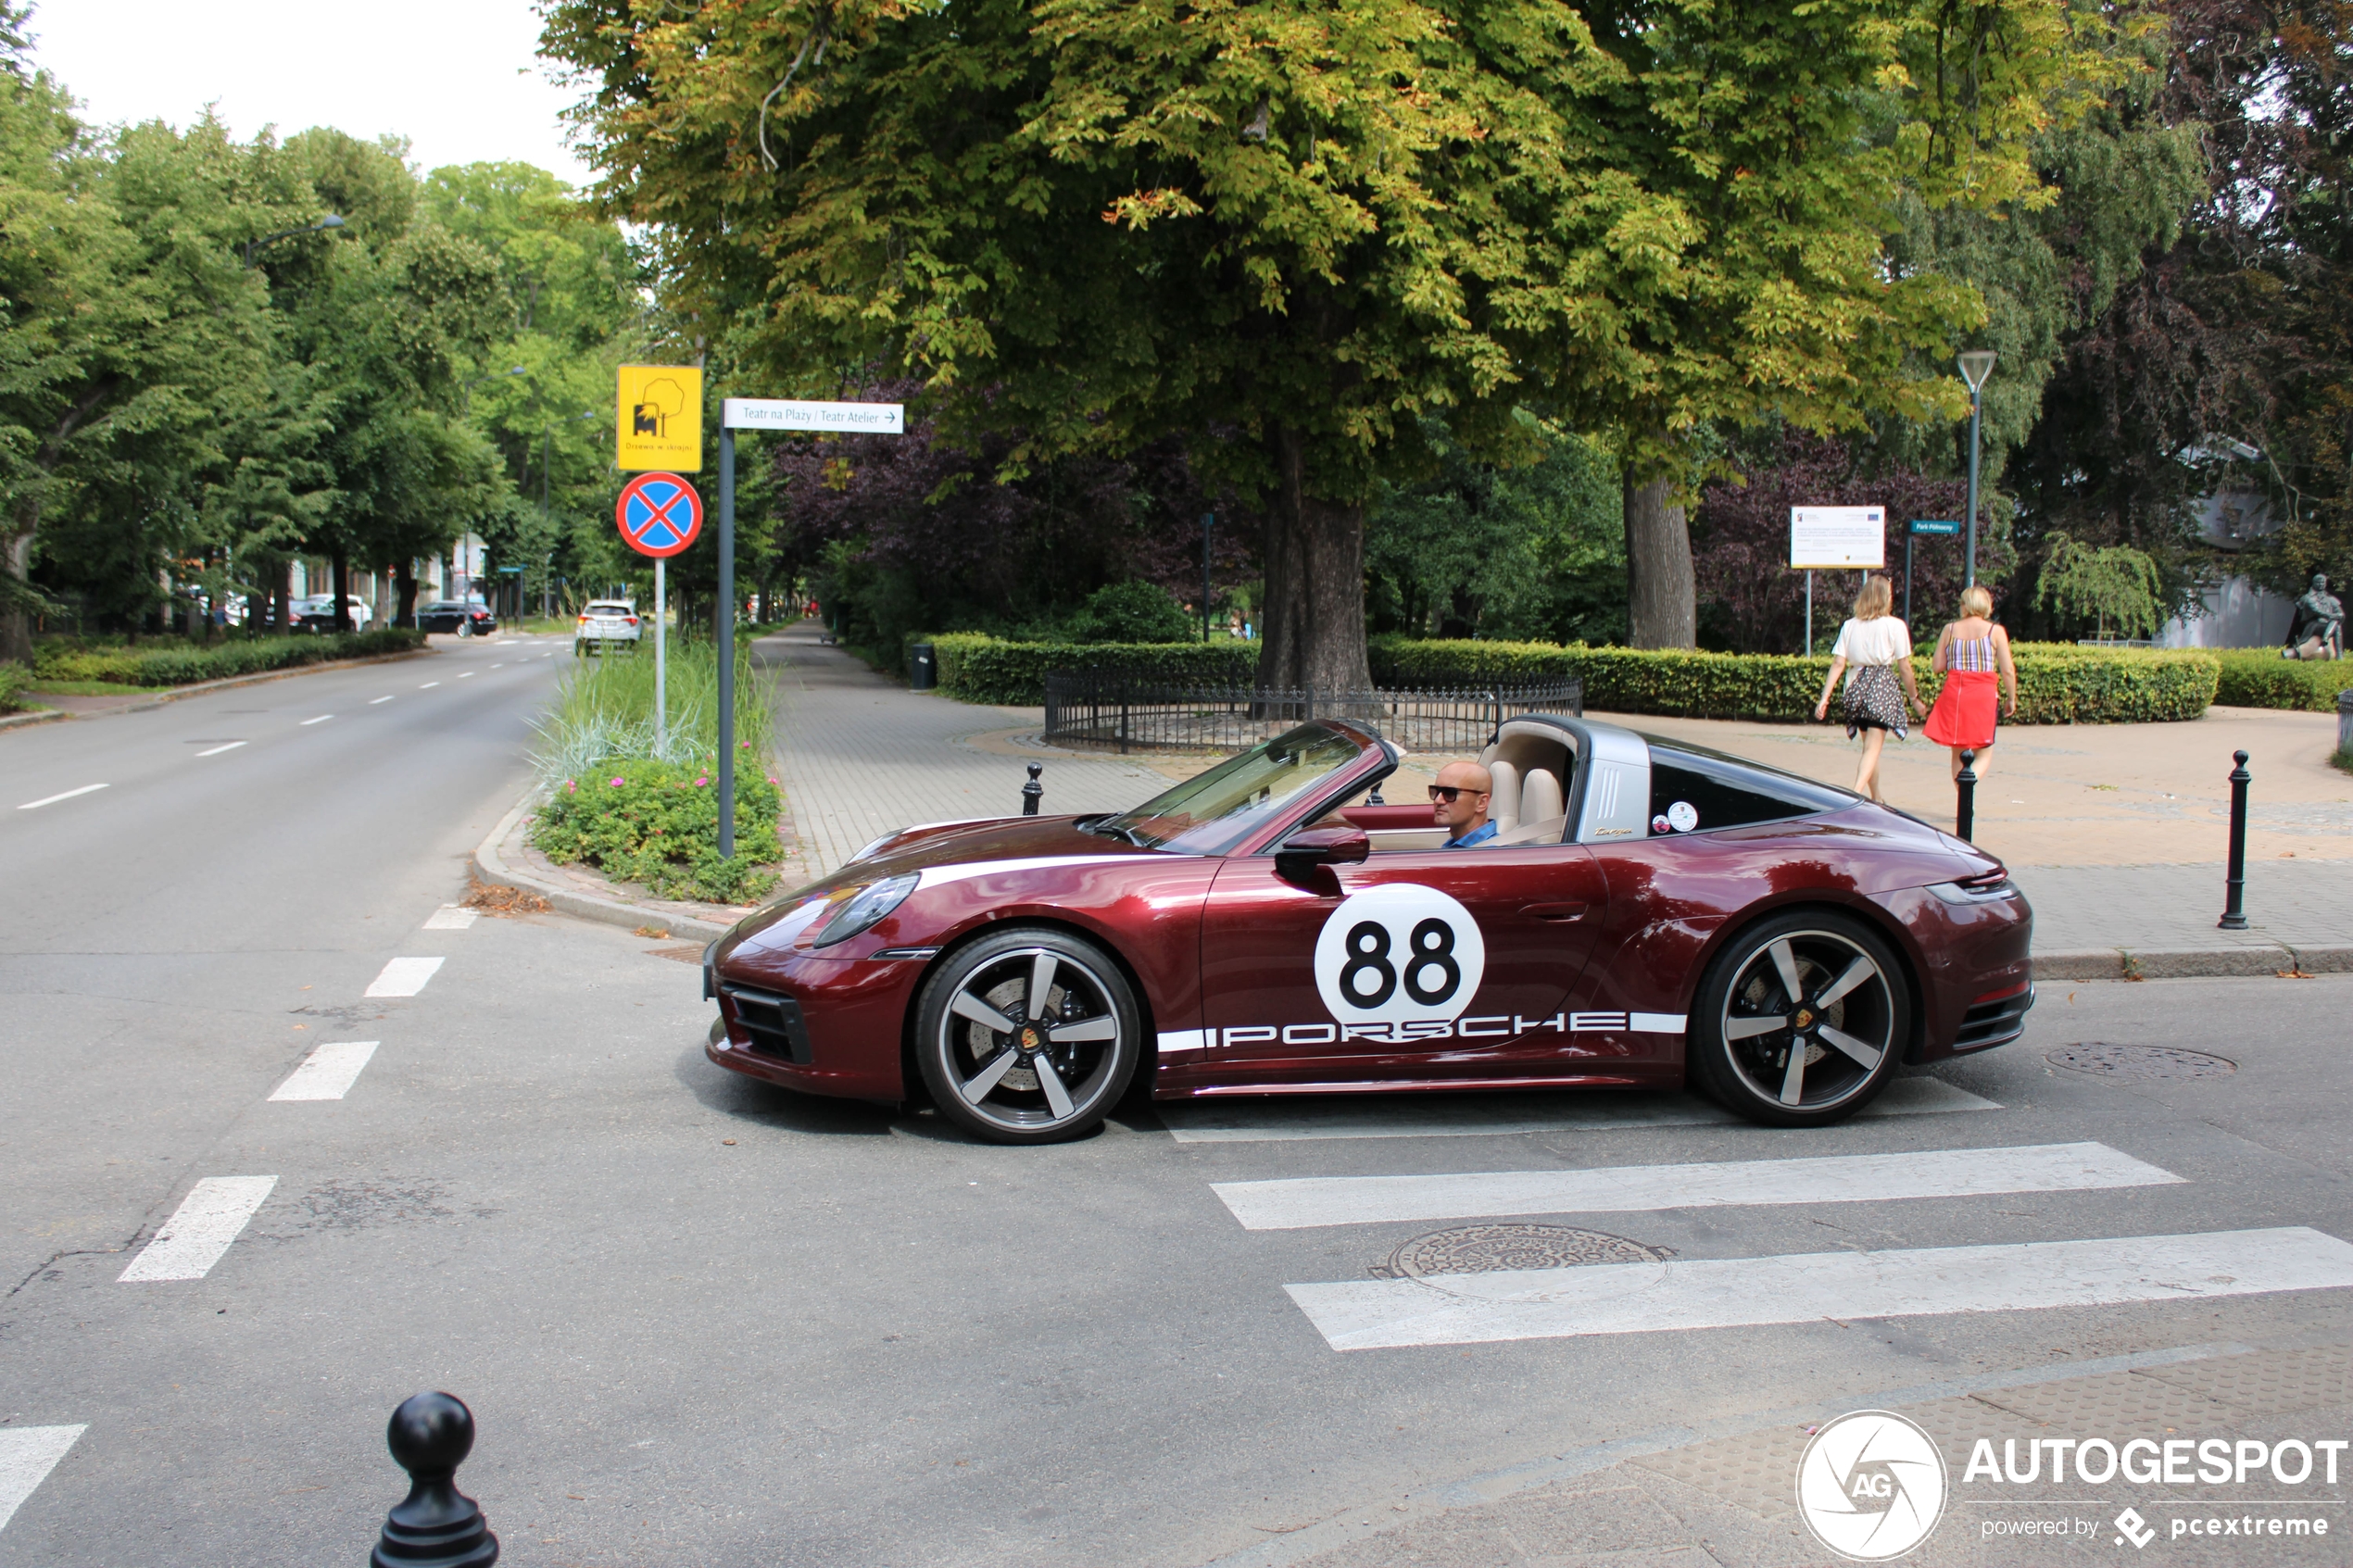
1541 797
1502 805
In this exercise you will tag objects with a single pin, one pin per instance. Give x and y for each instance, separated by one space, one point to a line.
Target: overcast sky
457 76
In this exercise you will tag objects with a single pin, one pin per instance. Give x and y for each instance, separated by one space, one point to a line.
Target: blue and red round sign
659 513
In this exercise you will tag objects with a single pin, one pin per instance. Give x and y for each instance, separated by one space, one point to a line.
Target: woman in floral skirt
1875 651
1969 652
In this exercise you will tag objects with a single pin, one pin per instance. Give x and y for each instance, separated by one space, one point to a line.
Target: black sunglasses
1449 793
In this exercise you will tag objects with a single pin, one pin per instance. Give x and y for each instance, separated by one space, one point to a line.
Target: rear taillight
632 620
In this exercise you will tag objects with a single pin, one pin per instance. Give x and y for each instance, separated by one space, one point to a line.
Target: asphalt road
703 1321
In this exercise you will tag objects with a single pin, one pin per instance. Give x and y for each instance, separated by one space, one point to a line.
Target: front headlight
867 907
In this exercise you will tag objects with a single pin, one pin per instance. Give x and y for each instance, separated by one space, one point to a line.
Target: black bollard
1032 791
436 1525
1965 809
2234 886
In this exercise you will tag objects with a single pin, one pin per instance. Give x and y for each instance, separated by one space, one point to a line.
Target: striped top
1971 653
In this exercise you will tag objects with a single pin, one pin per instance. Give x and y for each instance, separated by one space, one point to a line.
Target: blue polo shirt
1478 835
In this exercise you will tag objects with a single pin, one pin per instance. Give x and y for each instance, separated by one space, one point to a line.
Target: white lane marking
320 719
451 917
1295 1203
402 977
468 675
428 686
200 1229
373 700
1465 1116
1808 1287
219 749
53 799
327 1073
501 665
27 1455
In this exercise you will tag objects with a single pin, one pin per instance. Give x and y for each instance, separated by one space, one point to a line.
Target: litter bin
923 668
2344 720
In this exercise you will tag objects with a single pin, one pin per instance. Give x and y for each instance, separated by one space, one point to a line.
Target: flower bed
658 823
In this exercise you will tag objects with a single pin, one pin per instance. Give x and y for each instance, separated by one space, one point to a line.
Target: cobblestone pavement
860 756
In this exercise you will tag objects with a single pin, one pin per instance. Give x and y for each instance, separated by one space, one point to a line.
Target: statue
2317 630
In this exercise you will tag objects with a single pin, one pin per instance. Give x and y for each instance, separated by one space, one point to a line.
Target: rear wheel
1801 1020
1027 1037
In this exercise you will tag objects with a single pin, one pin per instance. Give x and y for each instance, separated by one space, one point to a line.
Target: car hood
992 841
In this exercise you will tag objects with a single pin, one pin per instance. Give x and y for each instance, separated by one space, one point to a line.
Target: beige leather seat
1539 796
1502 801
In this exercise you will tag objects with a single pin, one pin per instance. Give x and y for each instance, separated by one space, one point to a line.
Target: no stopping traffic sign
658 514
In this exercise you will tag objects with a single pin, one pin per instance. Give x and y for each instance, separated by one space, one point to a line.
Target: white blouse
1879 641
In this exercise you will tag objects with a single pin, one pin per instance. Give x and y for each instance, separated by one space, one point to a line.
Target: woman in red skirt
1969 652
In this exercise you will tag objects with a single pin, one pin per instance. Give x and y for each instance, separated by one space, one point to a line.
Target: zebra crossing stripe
200 1230
1750 1292
327 1073
1296 1203
27 1455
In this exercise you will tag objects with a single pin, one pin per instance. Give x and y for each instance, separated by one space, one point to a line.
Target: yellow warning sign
659 421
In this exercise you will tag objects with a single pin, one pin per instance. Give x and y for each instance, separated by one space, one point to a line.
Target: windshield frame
1375 760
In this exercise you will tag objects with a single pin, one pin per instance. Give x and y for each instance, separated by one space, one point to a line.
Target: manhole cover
2111 1060
1478 1249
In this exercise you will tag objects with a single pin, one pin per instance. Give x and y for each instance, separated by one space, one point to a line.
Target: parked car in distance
604 622
468 618
316 612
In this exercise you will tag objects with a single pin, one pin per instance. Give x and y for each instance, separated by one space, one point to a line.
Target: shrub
658 823
2260 678
14 678
975 667
1133 611
183 664
603 710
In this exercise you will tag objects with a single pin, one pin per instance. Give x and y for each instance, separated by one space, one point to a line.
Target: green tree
2104 584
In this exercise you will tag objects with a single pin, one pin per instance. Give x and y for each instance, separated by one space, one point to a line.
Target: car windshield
1210 814
608 610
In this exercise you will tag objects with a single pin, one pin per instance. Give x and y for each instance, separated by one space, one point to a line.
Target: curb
173 694
37 716
2189 963
491 866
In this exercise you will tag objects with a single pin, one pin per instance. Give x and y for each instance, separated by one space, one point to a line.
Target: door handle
1555 911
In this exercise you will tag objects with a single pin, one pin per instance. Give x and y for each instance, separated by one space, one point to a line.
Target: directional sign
1929 525
781 413
658 419
659 513
1837 537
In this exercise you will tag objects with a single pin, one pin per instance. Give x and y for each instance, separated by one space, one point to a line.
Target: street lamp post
333 220
1976 365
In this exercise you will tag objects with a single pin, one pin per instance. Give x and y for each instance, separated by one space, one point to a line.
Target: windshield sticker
1399 951
1682 816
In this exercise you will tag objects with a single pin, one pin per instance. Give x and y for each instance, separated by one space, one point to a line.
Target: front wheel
1801 1022
1027 1037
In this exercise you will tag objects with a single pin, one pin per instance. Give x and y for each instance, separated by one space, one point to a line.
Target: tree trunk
1661 598
339 584
16 622
1313 615
404 578
282 614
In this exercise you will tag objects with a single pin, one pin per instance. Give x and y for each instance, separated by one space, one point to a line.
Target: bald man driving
1458 802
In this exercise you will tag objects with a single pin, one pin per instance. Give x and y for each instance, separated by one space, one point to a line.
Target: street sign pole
662 684
1908 579
1809 615
726 634
1207 519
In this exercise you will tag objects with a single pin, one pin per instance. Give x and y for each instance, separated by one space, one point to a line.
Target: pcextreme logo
1872 1486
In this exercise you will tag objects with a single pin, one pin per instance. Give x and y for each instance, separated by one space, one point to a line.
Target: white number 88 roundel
1399 952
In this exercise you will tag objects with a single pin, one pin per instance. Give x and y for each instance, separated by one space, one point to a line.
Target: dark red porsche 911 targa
1650 914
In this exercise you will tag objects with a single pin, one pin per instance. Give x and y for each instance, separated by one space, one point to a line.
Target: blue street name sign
1927 525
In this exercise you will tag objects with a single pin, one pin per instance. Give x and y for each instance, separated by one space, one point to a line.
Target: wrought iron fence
1128 713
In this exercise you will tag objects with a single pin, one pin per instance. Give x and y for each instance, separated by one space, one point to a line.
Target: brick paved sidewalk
860 756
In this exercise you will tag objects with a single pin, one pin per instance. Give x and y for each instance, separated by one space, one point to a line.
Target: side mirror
1302 851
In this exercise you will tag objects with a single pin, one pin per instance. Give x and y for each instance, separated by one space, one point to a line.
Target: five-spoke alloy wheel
1029 1035
1802 1021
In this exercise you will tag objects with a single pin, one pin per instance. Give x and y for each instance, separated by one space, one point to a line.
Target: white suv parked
603 621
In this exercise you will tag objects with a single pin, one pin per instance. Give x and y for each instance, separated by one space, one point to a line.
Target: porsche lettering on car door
1458 961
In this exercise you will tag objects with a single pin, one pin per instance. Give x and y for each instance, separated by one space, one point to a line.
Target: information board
658 419
786 413
1837 538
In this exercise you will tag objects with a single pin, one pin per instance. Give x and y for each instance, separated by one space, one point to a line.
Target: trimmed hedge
14 678
186 665
2260 678
975 667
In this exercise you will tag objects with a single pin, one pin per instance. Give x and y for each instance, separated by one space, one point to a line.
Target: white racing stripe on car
1182 1039
327 1073
402 977
27 1455
1295 1203
1655 1023
939 876
200 1230
1810 1287
1482 1116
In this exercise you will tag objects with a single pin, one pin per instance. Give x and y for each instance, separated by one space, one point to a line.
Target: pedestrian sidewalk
2119 843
